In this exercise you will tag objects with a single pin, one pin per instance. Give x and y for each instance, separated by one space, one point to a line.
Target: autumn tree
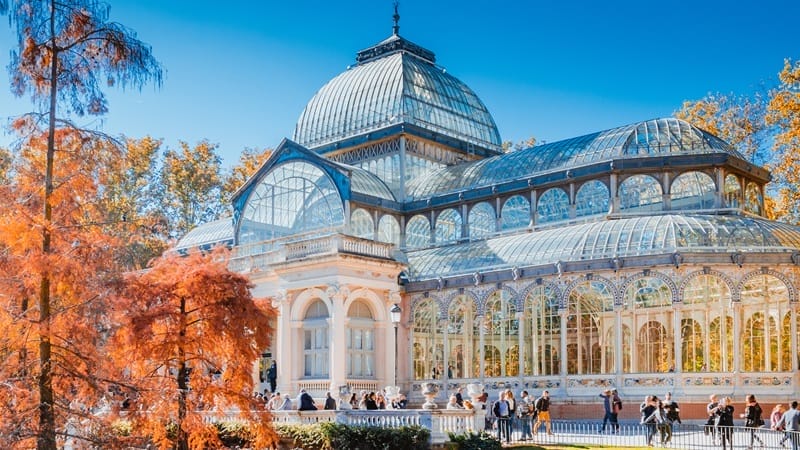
66 50
784 113
192 184
736 119
250 160
190 334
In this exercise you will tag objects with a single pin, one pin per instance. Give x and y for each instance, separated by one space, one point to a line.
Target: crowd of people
304 401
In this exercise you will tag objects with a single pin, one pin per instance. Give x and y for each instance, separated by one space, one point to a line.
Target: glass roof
650 138
367 183
393 88
607 239
208 234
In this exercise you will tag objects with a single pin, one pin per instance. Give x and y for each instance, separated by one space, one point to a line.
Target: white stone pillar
337 332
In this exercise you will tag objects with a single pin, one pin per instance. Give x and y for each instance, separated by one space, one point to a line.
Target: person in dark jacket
752 418
330 403
305 402
370 402
724 421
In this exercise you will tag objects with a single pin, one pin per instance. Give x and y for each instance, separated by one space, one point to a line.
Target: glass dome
650 138
395 82
607 239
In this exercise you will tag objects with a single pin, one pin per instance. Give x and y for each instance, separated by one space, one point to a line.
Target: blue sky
239 73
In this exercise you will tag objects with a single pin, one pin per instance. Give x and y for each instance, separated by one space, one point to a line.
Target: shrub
307 437
343 437
475 441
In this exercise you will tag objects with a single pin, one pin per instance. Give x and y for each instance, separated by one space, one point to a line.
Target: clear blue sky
240 72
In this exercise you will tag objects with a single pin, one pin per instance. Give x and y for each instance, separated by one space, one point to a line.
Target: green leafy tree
193 187
66 50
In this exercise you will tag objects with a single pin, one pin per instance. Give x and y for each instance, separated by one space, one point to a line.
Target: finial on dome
396 17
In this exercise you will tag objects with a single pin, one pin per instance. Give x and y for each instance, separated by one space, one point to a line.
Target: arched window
654 348
448 226
462 339
590 307
418 232
315 340
705 297
516 213
389 230
552 206
640 193
482 221
502 327
429 341
361 224
764 297
292 198
733 192
692 190
592 199
753 199
542 327
360 336
648 292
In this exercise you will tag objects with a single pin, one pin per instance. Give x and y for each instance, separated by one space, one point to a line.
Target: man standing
524 410
616 406
542 406
272 376
305 402
501 414
607 405
791 423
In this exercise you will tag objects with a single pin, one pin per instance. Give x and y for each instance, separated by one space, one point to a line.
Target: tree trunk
183 374
47 426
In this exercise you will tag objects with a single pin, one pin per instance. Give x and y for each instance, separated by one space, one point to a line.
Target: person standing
672 408
710 427
790 421
305 402
724 421
524 410
648 410
752 418
460 397
607 406
272 376
774 418
616 407
500 411
542 407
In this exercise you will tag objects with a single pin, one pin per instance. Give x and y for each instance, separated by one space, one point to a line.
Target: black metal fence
630 434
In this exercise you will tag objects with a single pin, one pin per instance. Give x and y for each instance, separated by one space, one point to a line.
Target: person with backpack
616 407
542 407
607 408
752 418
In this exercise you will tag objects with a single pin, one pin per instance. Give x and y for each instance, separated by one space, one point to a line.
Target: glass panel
692 190
516 213
704 297
482 221
552 206
428 341
542 328
763 298
648 292
733 192
640 193
418 232
361 224
502 326
592 198
292 198
590 306
448 226
654 348
317 310
389 230
753 199
464 341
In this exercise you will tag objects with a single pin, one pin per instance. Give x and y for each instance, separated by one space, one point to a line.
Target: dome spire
396 17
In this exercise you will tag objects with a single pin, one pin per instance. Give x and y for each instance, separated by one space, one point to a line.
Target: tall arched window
428 341
292 198
592 199
692 190
516 213
315 340
542 329
360 335
764 297
651 301
361 224
389 230
482 221
448 226
640 193
552 206
733 192
502 327
462 339
706 297
418 232
590 307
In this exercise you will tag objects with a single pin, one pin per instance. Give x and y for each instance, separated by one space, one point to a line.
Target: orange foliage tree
190 333
66 50
784 113
49 359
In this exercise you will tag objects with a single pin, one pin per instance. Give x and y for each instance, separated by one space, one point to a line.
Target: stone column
337 332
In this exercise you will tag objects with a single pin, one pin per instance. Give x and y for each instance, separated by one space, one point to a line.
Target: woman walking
752 418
